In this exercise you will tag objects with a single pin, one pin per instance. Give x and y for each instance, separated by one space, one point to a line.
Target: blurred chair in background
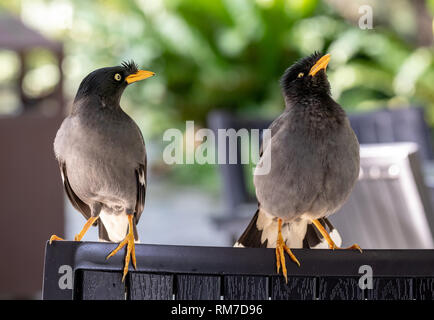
30 189
383 126
394 125
389 207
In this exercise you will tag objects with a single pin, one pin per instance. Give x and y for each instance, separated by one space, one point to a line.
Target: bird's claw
281 248
353 247
55 238
331 243
280 261
131 250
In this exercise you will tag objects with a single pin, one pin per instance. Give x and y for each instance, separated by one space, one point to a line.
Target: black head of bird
108 84
306 80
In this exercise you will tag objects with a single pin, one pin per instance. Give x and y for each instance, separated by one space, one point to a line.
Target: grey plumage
314 156
313 169
102 155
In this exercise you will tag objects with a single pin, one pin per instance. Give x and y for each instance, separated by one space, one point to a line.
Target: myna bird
314 157
102 158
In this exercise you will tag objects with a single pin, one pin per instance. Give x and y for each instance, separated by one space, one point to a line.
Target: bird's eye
300 75
118 77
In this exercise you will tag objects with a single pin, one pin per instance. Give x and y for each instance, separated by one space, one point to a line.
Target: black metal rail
79 270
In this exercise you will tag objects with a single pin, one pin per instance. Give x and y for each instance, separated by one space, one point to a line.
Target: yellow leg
329 240
280 255
79 236
131 251
86 227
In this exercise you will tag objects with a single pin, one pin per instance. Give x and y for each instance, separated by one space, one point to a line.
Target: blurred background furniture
32 202
383 126
216 273
389 207
394 125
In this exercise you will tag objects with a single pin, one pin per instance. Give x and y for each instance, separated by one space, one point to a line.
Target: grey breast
310 174
101 155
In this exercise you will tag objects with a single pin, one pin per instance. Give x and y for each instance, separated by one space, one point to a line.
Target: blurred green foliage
229 54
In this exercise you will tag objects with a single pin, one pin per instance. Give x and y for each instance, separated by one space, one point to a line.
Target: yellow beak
320 64
139 75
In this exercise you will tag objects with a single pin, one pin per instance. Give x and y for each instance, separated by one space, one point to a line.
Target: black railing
79 270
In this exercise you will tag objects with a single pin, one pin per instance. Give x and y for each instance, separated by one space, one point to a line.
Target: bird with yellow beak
314 157
102 158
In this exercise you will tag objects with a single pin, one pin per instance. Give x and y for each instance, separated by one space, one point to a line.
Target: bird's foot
281 248
353 247
331 243
86 227
55 238
131 251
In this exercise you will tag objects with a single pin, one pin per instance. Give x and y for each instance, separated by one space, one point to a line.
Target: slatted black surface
337 288
297 288
213 273
97 285
196 287
391 289
245 288
424 289
148 286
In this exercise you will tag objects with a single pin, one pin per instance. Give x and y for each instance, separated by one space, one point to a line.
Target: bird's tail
262 233
252 236
116 228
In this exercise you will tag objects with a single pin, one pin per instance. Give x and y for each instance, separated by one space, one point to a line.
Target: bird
102 158
314 164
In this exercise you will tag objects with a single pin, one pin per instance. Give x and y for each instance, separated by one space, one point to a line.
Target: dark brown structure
31 195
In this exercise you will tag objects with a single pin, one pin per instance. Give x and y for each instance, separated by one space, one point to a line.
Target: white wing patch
142 179
336 237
